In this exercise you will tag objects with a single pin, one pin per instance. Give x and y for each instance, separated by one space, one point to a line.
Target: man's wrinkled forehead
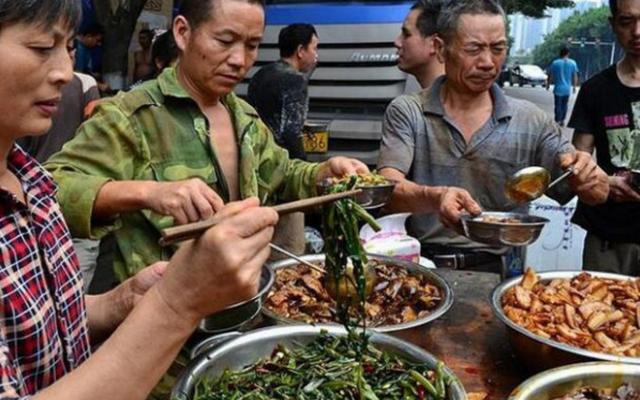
481 29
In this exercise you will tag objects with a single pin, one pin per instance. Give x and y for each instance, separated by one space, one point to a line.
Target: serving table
470 340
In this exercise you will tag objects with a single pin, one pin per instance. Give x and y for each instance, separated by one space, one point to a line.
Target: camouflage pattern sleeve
105 148
297 177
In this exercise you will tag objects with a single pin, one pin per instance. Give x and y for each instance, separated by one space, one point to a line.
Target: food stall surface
470 340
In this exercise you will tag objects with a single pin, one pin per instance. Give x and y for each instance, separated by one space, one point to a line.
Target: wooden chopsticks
195 229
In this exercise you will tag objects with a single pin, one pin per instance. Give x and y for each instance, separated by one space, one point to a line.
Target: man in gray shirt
463 131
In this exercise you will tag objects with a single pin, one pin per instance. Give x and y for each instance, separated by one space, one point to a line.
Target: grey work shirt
422 142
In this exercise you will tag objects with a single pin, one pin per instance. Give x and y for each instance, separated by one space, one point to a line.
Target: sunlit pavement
542 98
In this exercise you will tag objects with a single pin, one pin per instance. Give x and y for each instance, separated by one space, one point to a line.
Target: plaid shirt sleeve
43 323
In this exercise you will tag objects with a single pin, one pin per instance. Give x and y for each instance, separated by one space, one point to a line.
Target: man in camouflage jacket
173 150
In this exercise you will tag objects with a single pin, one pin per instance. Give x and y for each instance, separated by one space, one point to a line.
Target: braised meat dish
586 311
397 296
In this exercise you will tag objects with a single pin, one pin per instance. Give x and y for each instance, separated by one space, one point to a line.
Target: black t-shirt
611 112
279 94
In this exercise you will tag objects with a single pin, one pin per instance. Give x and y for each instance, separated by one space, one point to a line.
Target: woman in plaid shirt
46 324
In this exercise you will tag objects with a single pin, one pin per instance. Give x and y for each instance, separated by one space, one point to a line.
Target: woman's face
34 65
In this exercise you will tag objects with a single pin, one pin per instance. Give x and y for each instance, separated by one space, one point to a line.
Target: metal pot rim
526 220
434 278
204 325
569 373
496 305
262 291
199 366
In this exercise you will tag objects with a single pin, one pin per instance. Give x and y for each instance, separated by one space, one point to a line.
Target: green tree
588 36
533 8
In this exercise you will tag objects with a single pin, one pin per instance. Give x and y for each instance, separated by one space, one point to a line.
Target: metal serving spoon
530 183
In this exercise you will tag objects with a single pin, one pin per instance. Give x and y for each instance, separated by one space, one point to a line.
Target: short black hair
45 13
564 51
164 48
427 22
294 35
613 6
146 31
452 10
196 12
91 29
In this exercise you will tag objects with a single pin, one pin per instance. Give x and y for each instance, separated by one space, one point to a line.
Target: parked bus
356 76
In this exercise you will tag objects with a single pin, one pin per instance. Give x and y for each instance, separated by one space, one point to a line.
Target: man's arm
107 310
584 141
186 201
133 359
449 202
619 189
95 173
411 197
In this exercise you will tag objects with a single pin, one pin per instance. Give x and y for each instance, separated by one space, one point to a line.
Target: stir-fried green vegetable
328 368
364 180
344 250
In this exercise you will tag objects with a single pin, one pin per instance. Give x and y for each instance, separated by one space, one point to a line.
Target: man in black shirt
612 128
279 90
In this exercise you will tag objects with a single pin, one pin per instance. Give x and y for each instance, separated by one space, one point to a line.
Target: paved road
540 97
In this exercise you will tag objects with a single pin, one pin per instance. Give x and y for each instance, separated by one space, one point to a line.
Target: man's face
626 26
217 55
476 52
414 50
309 55
92 40
144 38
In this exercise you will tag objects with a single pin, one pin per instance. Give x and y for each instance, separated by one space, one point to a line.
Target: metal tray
434 278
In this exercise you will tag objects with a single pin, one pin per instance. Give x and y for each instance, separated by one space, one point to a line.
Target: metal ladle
530 183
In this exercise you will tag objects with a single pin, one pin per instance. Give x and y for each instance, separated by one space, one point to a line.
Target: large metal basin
435 279
559 381
239 314
256 345
539 353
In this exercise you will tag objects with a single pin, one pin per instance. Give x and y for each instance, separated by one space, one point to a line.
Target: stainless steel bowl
522 233
433 278
370 197
539 353
373 197
557 382
258 344
239 314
